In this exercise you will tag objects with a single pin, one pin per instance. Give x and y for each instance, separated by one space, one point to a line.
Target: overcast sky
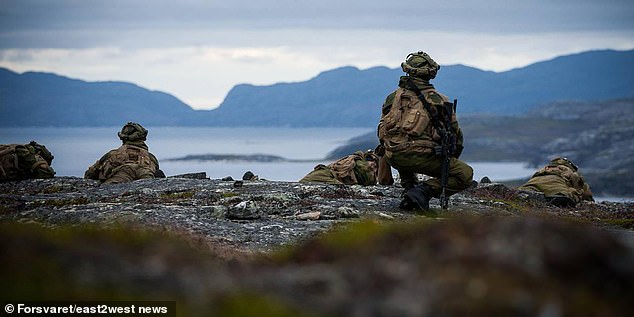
198 50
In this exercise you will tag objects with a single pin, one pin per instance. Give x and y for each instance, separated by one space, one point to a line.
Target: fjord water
77 148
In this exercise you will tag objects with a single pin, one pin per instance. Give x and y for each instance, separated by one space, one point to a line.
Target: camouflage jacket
130 154
22 161
559 179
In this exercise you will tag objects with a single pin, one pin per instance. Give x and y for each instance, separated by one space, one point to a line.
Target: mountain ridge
344 96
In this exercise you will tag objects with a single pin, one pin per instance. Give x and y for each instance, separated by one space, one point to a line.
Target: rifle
446 149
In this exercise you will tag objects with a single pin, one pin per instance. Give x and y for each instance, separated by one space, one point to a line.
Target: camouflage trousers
129 172
409 164
321 174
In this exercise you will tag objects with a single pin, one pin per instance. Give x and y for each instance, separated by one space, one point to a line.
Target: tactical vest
407 125
127 154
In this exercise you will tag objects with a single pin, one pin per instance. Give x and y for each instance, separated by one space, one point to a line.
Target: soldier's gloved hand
458 151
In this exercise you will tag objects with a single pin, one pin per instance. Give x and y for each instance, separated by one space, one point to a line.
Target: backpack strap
435 120
447 111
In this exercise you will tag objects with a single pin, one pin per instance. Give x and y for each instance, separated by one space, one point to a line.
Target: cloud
77 24
198 50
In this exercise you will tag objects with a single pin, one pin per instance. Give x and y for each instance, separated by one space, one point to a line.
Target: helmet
421 65
132 131
564 161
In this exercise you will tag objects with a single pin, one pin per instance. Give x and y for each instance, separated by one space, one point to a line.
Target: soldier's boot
416 197
561 201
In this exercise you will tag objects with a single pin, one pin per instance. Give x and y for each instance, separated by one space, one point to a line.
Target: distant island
266 158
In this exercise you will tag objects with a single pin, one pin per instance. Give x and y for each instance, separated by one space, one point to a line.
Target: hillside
43 99
340 97
212 248
351 97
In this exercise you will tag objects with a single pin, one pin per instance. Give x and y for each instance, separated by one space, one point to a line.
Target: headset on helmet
565 161
132 131
420 64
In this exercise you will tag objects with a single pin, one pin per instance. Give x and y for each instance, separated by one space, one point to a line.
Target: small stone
249 176
385 216
347 212
238 184
246 210
309 216
227 179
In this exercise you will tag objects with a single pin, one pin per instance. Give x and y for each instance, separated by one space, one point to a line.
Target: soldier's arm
94 170
385 109
385 172
42 170
587 193
387 105
158 173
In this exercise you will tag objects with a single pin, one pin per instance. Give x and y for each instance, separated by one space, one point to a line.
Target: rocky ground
232 248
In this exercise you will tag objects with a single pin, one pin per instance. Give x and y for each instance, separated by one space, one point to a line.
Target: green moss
227 195
621 223
353 235
52 189
63 263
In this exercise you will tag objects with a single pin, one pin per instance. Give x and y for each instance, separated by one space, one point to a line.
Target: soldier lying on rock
560 182
359 168
131 161
25 161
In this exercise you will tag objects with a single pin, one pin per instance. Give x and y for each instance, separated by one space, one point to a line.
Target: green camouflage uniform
560 182
358 168
25 161
131 161
409 135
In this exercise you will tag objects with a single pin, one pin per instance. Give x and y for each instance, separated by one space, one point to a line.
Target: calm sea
77 148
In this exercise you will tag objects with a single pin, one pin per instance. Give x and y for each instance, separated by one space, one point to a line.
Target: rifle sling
434 114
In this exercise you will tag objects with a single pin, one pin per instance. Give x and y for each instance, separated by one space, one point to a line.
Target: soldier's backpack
343 169
17 161
407 122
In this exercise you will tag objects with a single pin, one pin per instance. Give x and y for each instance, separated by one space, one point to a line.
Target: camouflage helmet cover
132 131
564 161
421 65
42 151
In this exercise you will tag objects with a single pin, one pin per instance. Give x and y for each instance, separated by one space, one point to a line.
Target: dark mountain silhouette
344 96
43 99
